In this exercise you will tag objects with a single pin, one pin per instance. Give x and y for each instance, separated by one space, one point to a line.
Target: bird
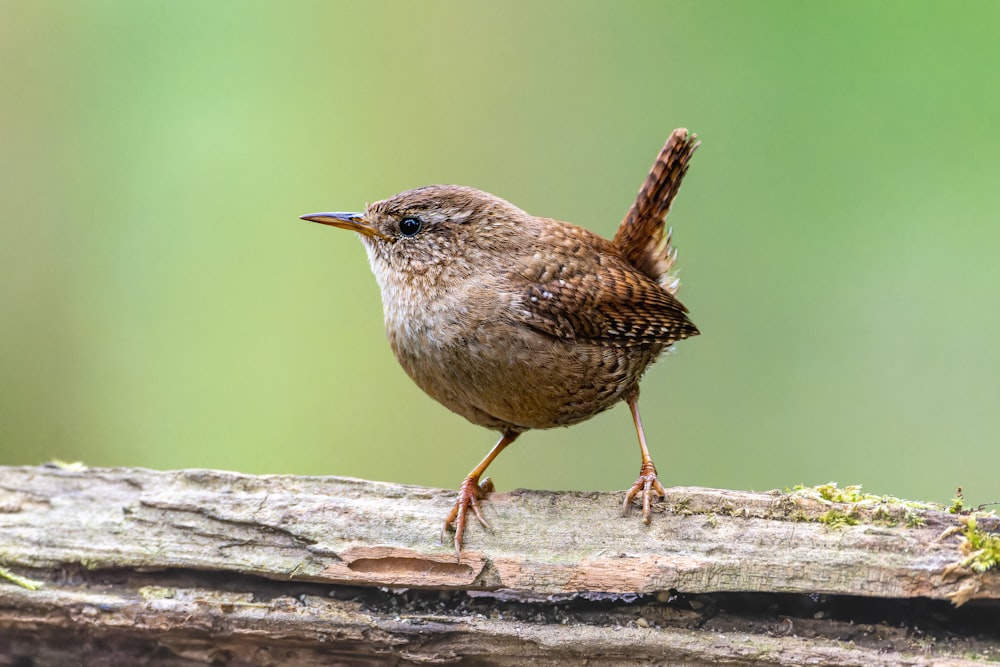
518 322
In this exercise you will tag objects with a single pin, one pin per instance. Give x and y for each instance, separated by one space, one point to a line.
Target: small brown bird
517 322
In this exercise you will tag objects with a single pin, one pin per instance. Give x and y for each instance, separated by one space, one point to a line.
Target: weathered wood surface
186 556
349 531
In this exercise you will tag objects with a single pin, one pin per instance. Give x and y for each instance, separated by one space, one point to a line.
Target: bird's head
433 230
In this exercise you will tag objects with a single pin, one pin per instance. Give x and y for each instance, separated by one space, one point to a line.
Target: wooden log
194 566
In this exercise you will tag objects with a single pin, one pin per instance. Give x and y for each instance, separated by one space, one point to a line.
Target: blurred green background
161 304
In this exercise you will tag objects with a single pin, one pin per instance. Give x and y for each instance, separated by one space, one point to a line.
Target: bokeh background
161 304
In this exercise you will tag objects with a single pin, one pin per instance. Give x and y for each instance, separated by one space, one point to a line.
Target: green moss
980 548
849 494
23 582
853 494
881 515
957 503
837 519
865 507
683 507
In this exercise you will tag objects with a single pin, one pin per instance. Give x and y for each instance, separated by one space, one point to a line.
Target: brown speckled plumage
517 322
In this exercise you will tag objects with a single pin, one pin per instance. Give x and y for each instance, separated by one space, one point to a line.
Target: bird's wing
614 306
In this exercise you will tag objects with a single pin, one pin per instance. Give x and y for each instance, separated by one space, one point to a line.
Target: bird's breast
468 353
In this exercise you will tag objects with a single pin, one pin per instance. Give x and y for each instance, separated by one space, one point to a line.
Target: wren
518 322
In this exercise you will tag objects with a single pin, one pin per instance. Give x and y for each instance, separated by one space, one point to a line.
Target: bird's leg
648 484
471 492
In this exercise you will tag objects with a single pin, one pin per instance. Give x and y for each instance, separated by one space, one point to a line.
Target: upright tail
641 236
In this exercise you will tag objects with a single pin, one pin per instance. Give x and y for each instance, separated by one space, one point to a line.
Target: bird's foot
469 494
647 487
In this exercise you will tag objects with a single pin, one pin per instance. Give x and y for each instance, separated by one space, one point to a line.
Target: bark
199 566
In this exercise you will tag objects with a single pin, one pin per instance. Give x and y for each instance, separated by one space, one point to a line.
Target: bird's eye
410 226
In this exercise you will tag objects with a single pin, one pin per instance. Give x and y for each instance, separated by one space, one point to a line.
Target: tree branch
205 563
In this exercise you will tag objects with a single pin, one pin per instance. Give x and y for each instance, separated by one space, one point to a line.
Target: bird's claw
469 494
647 486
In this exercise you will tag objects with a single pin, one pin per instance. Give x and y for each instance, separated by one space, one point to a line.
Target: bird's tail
642 236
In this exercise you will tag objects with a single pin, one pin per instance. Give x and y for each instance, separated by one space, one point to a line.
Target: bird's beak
353 221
